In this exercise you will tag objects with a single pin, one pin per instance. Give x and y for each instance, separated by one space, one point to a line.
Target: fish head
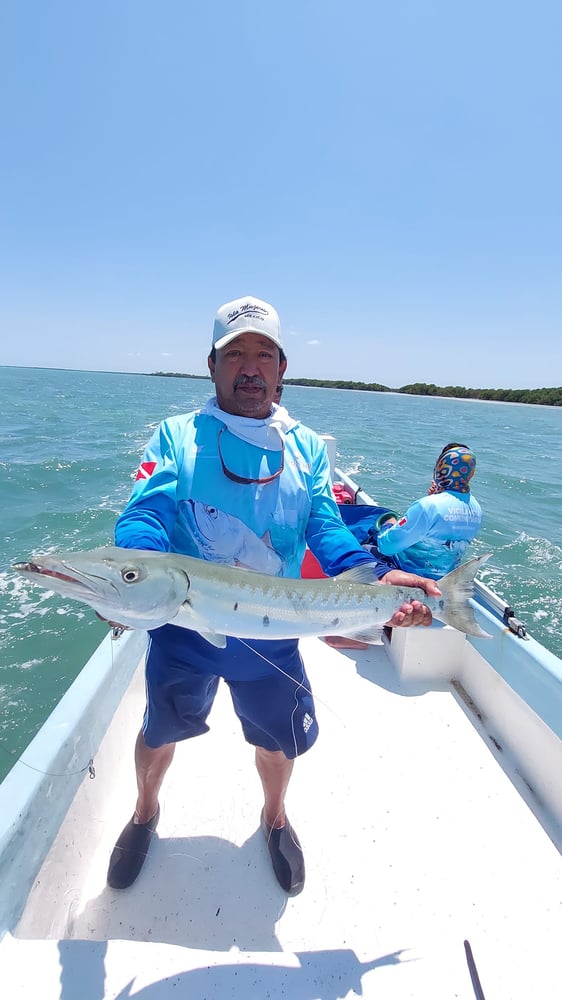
212 523
137 588
215 533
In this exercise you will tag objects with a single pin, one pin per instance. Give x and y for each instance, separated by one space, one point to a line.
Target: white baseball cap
246 315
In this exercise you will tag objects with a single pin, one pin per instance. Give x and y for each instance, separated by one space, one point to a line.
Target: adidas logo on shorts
307 722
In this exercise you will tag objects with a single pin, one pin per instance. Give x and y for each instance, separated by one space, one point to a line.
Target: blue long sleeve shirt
182 501
433 535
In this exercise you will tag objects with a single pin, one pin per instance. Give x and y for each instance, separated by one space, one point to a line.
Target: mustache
250 380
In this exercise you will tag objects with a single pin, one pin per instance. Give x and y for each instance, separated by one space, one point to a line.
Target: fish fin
199 625
457 589
213 637
369 635
364 573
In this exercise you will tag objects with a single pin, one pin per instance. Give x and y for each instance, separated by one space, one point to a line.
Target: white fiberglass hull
430 812
413 835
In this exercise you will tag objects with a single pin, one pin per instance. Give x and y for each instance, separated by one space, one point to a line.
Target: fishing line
115 634
298 684
90 765
293 715
51 774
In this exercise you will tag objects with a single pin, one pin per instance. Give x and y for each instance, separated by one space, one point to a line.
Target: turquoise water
71 443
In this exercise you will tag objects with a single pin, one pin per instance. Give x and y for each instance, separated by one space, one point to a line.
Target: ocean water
71 443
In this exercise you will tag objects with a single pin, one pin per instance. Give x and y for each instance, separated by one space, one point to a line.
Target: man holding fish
239 482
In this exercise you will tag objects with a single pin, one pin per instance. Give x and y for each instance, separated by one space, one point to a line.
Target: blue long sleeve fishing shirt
433 535
183 501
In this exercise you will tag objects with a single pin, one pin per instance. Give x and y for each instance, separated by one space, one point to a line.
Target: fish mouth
35 569
31 567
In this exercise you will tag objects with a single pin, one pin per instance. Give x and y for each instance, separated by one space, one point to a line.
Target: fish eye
130 574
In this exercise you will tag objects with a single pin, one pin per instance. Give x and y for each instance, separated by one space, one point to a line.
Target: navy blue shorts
268 684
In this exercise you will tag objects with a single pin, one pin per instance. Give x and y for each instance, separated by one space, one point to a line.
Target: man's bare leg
275 770
151 766
131 848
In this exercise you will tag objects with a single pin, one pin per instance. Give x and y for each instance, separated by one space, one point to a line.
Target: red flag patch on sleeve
145 470
402 521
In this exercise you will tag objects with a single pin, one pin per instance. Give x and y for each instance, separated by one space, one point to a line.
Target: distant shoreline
542 397
547 396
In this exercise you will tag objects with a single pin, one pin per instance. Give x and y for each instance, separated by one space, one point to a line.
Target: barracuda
144 590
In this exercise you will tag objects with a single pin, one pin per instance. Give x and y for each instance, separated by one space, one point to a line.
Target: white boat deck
414 838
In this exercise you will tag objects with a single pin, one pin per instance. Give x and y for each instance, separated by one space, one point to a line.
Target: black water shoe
286 856
128 855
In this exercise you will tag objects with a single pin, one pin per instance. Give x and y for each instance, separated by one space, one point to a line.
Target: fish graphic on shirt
223 538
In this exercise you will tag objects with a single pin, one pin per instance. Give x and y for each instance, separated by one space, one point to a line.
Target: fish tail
457 588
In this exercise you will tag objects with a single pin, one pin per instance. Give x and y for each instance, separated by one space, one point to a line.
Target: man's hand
414 612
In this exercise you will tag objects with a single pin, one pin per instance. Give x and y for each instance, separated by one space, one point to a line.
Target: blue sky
387 175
